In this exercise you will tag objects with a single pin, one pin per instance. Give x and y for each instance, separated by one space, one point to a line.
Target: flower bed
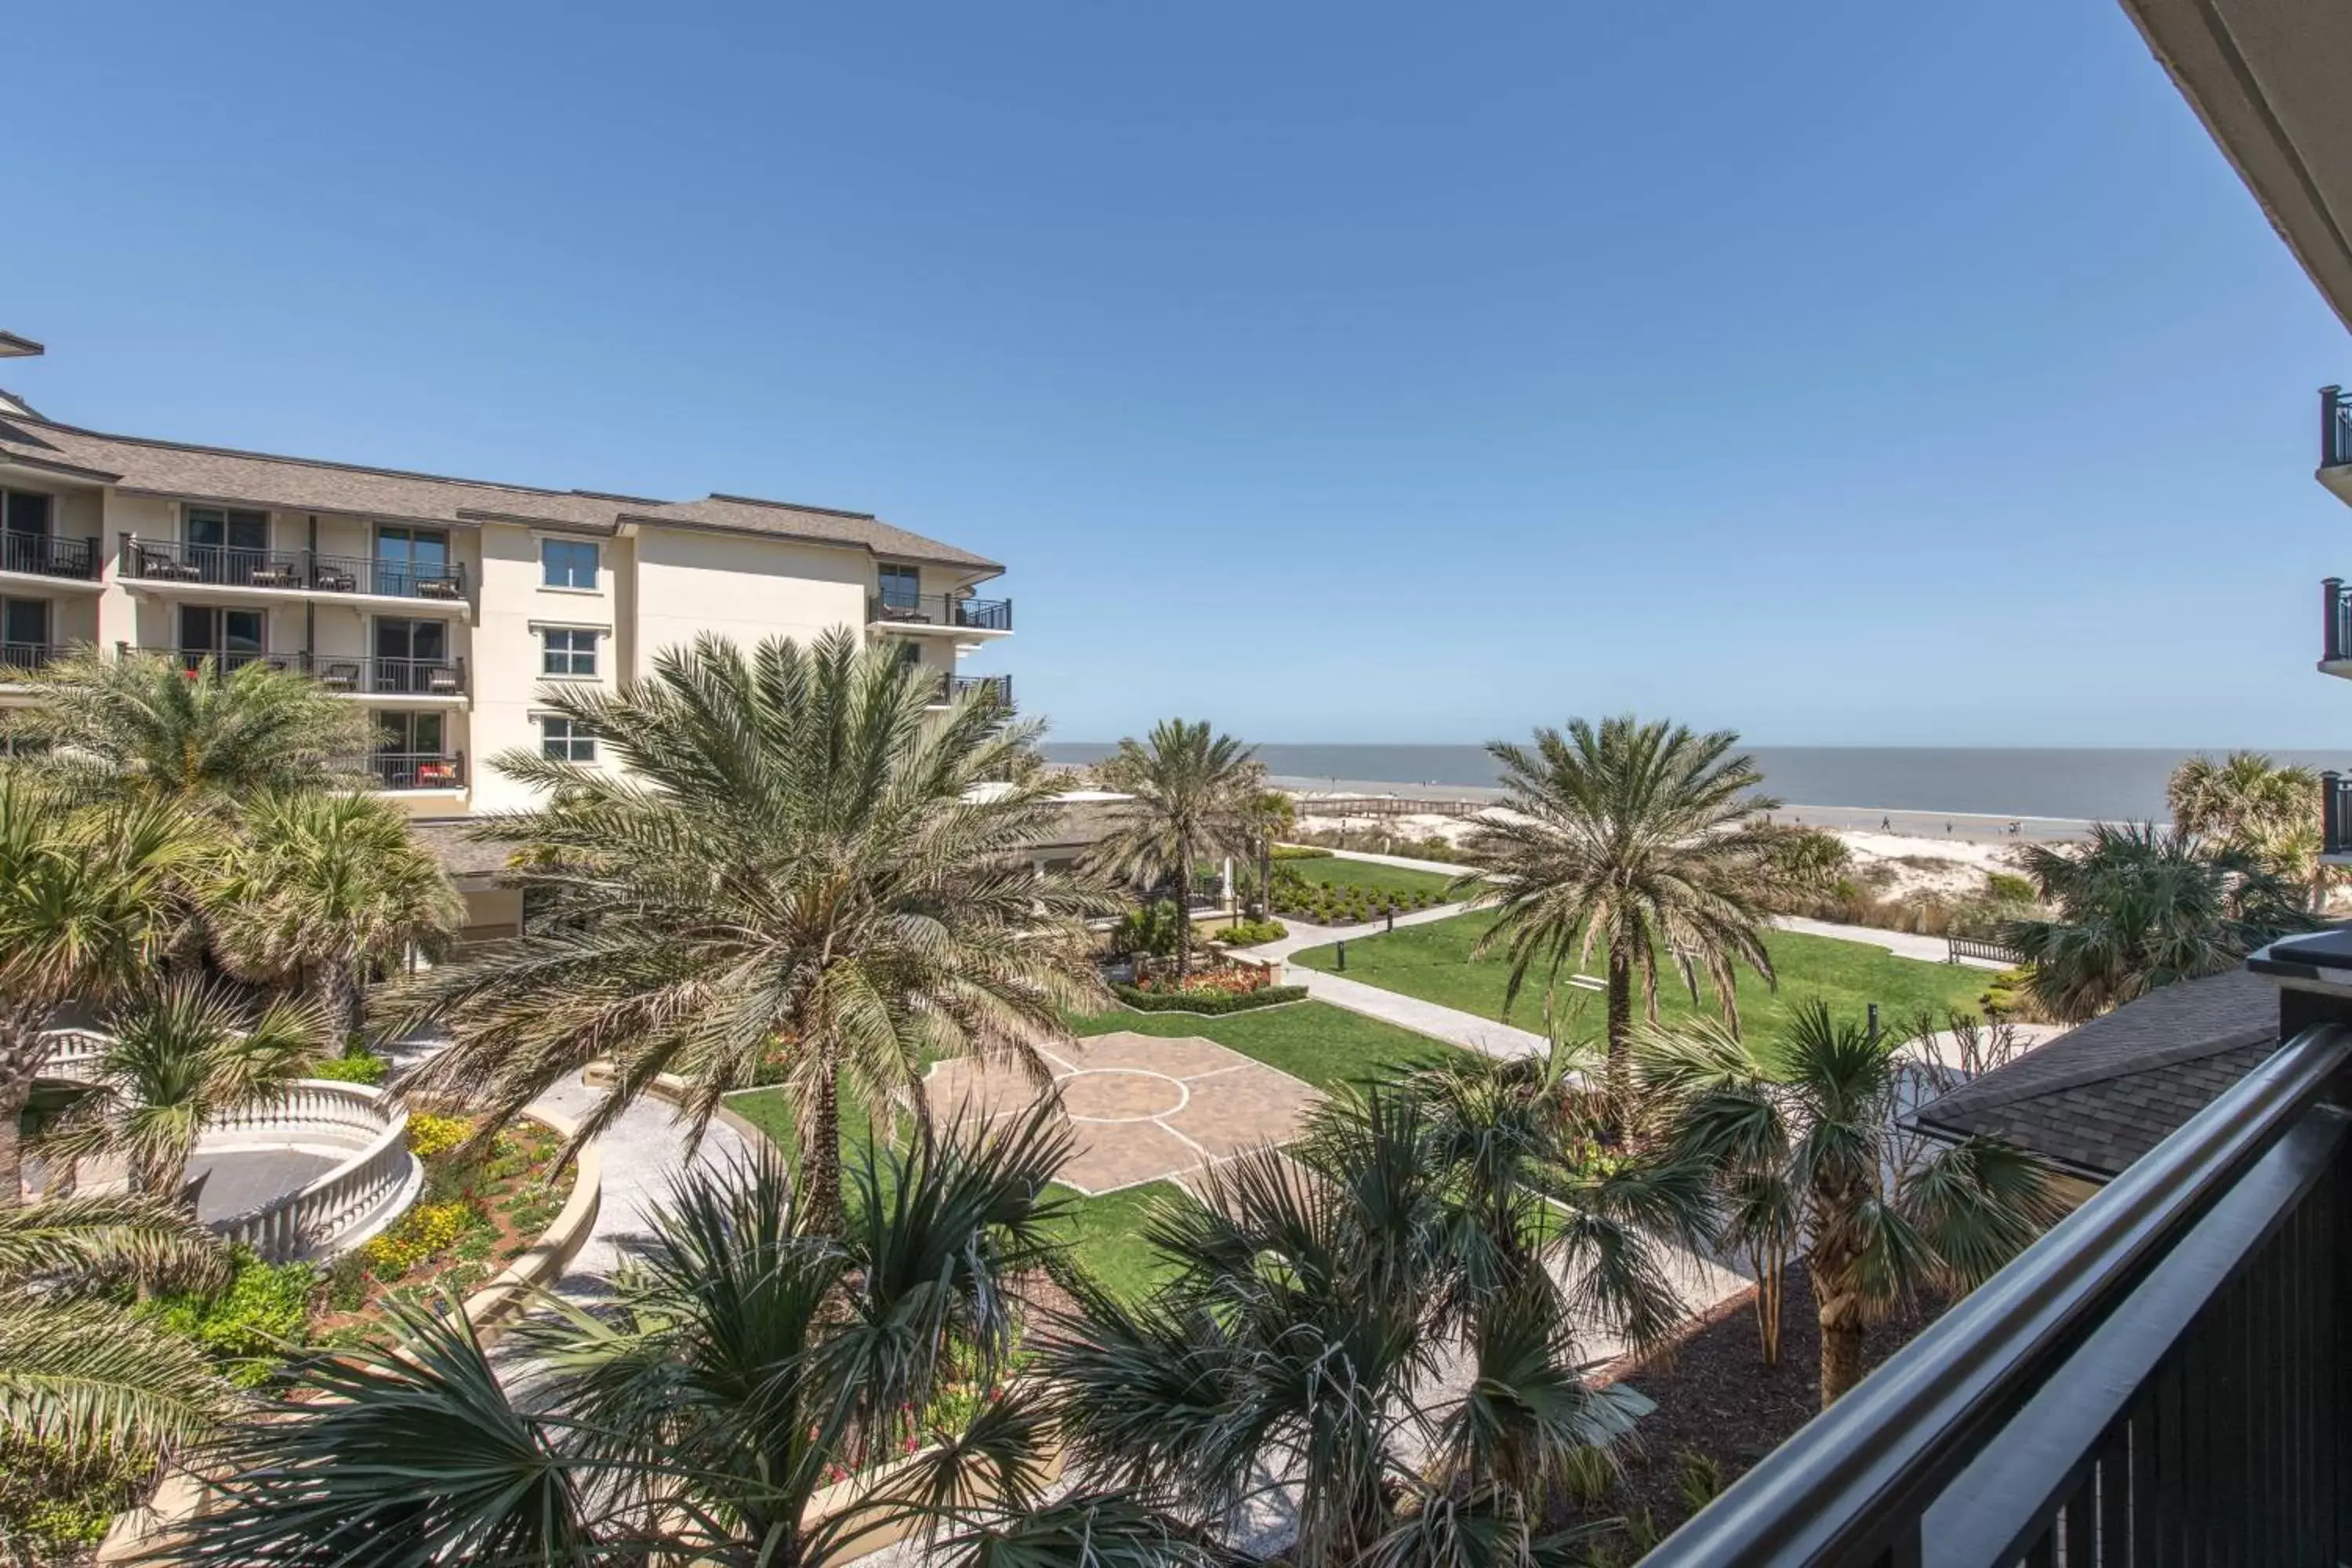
1338 903
1161 997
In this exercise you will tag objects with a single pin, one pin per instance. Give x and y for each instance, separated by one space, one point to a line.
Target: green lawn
1366 874
1433 962
1318 1044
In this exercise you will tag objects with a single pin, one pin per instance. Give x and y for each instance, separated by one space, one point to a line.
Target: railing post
2331 812
2331 628
2331 398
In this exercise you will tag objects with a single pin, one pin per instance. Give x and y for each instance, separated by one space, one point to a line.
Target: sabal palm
75 1368
752 1356
2246 801
90 900
1620 839
1317 1295
801 867
318 891
145 725
1197 797
2140 907
180 1057
1803 1133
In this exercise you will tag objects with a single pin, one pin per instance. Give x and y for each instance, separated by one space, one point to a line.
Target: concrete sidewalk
1902 944
1449 1024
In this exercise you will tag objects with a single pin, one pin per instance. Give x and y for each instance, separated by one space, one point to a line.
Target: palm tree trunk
1183 918
341 985
1620 1029
819 1132
21 1050
1842 1323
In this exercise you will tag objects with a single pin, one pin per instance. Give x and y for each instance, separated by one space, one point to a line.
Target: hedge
1212 1003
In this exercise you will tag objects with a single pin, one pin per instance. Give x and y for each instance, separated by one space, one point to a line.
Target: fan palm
180 1058
1318 1294
2262 810
752 1359
319 891
75 1368
1197 797
1804 1135
801 868
90 901
1622 839
2140 907
146 725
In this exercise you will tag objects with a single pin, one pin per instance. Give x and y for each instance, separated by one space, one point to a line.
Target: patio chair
438 588
340 677
441 680
271 577
334 580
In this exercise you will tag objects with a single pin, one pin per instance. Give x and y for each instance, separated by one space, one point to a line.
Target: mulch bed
1717 1399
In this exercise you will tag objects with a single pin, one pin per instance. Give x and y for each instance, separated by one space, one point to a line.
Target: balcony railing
2335 428
353 674
2335 621
2335 814
223 567
418 770
953 687
15 658
50 555
228 662
2162 1378
939 610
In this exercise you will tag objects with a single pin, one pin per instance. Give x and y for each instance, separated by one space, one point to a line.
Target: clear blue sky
1855 372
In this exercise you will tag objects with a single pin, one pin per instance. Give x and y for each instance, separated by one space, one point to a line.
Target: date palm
179 1057
1621 840
1320 1295
146 725
802 869
1197 798
754 1357
2140 907
75 1368
90 901
2262 810
320 892
1803 1134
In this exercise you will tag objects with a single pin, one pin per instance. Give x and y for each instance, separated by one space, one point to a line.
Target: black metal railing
2162 1378
50 555
2335 428
15 658
395 676
418 770
2335 814
952 687
224 567
2335 621
227 661
939 610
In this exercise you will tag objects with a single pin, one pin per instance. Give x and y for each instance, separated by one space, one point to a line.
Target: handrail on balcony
50 555
2335 814
952 687
418 770
939 610
15 658
2102 1399
2335 428
227 566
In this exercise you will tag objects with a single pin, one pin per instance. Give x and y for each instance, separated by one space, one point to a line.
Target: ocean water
2074 783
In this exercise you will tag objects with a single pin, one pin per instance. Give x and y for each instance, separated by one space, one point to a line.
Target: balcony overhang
2337 481
2267 78
48 583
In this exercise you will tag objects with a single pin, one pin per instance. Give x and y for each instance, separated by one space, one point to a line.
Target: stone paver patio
1142 1109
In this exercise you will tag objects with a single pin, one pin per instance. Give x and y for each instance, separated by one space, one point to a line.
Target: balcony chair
334 580
441 680
438 588
436 775
340 677
271 577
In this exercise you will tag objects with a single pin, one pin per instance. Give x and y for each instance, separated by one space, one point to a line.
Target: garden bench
1960 947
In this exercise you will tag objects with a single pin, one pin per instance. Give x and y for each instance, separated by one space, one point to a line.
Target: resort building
447 607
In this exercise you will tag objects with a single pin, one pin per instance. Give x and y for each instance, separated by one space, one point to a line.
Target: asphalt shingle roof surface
2100 1096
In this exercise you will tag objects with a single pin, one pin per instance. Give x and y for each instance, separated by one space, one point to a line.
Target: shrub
1250 933
250 1322
2008 887
1149 930
55 1506
1205 999
1301 852
431 1136
426 1231
2009 998
354 1066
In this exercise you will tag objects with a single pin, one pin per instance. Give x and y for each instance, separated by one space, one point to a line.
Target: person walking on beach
1886 825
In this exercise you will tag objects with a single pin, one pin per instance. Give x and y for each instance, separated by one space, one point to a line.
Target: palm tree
180 1057
75 1368
1196 798
1623 839
1804 1136
1317 1291
321 891
2140 907
90 901
146 725
1276 814
801 868
753 1357
2259 808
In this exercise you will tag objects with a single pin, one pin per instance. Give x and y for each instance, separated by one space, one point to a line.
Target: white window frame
571 654
595 564
576 747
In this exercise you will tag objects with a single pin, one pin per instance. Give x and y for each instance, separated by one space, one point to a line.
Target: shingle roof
471 862
305 484
2100 1096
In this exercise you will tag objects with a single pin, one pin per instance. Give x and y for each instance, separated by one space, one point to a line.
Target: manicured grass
1366 873
1433 962
1107 1234
1312 1041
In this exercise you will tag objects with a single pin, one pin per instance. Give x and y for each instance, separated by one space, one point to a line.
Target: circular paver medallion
1121 1094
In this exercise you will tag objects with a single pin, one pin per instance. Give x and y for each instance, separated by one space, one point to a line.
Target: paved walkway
1902 944
1450 1023
1443 867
